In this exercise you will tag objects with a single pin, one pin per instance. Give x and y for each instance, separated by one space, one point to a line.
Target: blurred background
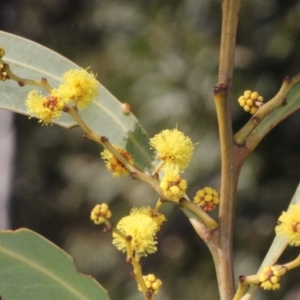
162 58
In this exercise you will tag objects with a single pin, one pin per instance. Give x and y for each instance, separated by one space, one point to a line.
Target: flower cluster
113 164
141 227
78 86
250 101
173 148
289 225
175 151
100 213
270 276
207 198
153 284
172 185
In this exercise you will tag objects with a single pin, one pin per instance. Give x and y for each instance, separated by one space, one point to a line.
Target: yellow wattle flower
112 163
173 147
78 86
289 225
141 228
46 108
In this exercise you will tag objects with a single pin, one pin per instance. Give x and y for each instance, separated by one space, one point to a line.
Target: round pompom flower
289 225
45 108
173 147
141 228
78 86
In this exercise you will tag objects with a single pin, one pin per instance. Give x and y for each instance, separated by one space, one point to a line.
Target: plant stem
43 83
137 174
277 101
209 222
229 172
138 275
293 264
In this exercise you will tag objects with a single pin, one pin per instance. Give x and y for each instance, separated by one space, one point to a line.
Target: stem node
284 102
220 88
104 139
287 80
133 175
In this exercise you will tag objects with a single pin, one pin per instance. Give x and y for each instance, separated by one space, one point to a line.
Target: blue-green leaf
32 267
105 115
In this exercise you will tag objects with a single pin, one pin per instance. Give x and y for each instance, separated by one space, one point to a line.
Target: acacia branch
229 172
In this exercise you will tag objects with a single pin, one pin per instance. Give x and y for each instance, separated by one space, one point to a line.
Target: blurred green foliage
162 58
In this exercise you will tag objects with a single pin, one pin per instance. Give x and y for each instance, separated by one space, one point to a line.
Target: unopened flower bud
251 101
100 213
